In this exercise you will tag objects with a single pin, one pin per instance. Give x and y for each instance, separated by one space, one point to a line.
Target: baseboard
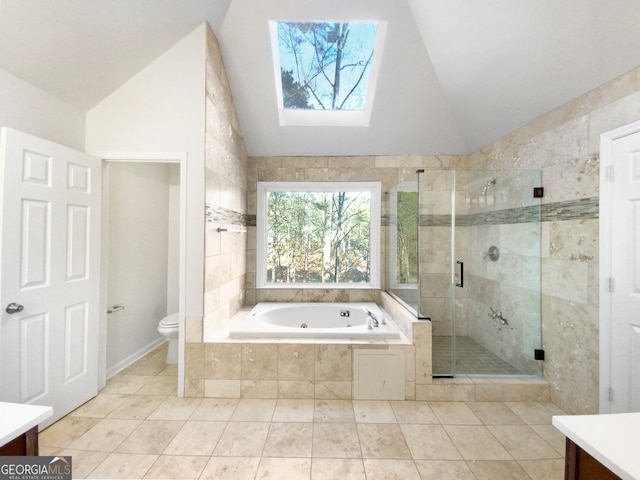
134 357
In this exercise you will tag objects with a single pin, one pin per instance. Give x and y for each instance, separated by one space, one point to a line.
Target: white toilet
168 327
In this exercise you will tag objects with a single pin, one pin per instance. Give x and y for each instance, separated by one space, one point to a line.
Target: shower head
486 186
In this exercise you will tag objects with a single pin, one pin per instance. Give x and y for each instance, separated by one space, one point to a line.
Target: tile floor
137 428
472 358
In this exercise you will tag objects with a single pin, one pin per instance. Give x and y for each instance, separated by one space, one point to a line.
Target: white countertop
611 439
16 418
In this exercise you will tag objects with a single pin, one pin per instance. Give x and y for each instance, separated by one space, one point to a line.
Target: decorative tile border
435 220
583 209
230 217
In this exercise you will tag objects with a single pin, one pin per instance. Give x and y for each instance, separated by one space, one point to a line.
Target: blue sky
358 49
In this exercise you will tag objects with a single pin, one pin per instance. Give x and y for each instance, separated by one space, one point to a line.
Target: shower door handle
461 284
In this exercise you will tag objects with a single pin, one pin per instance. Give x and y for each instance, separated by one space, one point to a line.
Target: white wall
162 109
29 109
173 250
140 225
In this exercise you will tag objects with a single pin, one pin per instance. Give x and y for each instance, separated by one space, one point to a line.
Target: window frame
375 191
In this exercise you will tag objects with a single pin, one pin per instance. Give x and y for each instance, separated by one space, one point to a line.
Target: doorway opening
143 257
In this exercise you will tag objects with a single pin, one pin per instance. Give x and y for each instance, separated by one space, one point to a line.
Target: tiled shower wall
564 144
225 196
511 285
507 217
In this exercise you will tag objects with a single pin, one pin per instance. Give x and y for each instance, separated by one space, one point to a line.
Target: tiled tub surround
305 367
324 368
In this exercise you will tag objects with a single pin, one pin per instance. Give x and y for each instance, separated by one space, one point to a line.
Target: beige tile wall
564 144
282 369
225 180
389 170
511 284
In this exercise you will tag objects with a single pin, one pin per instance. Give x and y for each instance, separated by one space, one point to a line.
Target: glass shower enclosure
403 250
470 248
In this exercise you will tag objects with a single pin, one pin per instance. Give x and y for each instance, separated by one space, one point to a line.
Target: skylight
326 71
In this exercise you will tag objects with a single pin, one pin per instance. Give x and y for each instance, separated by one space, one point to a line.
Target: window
318 235
326 71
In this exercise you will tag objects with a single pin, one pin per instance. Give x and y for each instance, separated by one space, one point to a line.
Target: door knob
14 308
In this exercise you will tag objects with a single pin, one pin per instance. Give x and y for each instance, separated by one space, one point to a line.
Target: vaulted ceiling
455 75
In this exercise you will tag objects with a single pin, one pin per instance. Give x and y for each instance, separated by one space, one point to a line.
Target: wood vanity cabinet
579 465
601 447
19 428
25 444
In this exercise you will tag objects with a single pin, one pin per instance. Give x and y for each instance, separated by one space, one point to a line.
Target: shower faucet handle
498 318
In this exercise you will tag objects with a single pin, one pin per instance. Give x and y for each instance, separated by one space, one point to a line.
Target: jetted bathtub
322 320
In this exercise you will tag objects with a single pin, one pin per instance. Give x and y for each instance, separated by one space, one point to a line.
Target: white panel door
49 259
625 268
